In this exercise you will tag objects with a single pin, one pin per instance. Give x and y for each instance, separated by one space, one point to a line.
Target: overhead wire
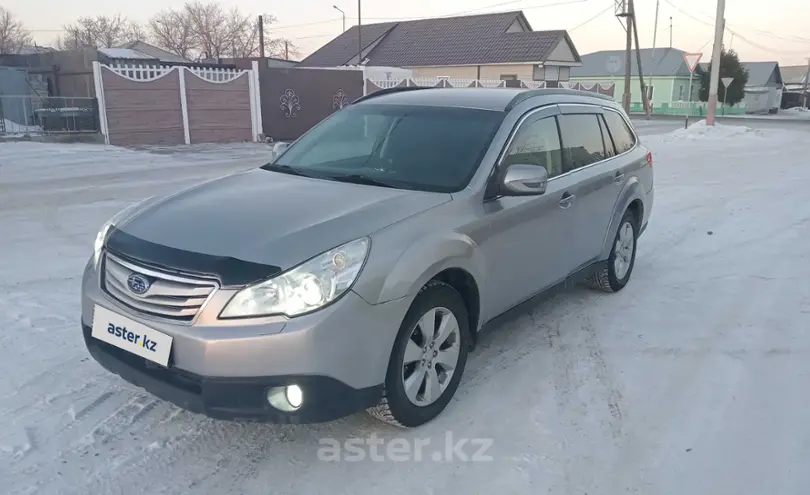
600 14
736 33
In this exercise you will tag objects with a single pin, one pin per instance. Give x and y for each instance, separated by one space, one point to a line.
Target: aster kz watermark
398 449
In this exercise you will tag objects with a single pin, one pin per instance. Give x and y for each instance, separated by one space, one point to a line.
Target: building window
565 73
508 77
552 73
539 73
680 92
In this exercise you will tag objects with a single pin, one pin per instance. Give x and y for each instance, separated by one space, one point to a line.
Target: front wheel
622 258
428 358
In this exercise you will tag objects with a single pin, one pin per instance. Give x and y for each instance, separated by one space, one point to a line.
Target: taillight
649 158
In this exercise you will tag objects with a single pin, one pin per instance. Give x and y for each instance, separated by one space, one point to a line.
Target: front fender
422 260
631 191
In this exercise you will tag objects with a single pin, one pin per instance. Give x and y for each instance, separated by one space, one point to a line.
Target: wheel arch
629 199
453 259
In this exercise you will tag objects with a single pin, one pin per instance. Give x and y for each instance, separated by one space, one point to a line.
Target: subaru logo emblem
138 284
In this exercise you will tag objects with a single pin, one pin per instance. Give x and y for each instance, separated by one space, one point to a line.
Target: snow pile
14 129
797 113
720 132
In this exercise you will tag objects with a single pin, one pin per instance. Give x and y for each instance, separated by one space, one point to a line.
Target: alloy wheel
625 243
431 356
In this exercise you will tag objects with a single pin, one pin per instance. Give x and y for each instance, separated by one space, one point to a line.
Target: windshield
410 147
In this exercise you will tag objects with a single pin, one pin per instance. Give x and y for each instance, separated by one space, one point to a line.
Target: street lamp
344 16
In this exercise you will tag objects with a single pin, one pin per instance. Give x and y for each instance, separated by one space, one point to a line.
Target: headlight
101 237
308 287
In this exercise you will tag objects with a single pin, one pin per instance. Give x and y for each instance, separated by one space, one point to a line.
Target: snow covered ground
692 380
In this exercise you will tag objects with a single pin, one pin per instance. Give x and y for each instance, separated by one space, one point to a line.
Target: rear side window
582 140
537 142
622 135
609 149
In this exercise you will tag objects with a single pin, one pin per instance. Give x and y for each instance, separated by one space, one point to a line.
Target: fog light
295 396
287 398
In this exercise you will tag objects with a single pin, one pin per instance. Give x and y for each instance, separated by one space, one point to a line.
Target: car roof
494 99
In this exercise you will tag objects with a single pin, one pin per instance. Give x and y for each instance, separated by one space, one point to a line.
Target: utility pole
655 34
644 96
621 11
714 81
286 50
806 82
261 37
670 31
359 35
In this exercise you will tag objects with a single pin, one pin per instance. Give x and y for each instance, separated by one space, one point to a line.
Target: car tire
401 405
622 258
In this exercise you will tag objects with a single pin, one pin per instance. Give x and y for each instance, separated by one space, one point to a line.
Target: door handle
567 200
618 178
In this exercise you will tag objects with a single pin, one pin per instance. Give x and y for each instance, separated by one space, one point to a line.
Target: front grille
170 296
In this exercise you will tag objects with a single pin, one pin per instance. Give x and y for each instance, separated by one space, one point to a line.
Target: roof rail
525 95
386 91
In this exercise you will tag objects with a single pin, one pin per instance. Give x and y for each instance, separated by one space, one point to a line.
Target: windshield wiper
362 179
283 169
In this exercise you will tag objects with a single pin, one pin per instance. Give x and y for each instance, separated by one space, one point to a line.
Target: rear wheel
622 258
428 358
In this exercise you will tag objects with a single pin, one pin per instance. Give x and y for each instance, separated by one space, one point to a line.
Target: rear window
622 135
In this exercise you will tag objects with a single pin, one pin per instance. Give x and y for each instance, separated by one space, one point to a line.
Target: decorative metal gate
294 100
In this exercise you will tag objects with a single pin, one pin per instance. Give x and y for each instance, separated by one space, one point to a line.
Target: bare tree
100 31
173 31
13 35
207 30
211 28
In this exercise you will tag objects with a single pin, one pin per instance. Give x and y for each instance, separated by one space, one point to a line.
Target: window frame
598 109
526 122
607 136
629 128
596 114
491 187
554 110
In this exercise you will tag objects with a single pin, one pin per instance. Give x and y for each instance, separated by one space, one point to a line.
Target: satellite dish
614 64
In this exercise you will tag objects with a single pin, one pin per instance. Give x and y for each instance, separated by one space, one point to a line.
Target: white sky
771 30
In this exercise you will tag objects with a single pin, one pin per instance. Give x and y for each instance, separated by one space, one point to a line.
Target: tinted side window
537 143
622 135
609 149
582 139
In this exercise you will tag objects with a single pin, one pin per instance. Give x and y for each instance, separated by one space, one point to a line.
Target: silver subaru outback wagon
355 270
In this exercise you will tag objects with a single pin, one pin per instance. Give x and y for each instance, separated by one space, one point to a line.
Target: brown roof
467 40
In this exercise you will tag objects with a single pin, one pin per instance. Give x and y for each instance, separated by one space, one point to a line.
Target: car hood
271 218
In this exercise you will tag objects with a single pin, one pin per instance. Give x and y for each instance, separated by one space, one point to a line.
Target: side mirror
524 180
278 148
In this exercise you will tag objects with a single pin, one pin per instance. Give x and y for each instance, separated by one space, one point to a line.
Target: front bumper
242 399
223 368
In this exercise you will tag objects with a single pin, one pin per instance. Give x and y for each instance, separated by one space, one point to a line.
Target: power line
531 7
326 21
736 33
286 26
601 13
